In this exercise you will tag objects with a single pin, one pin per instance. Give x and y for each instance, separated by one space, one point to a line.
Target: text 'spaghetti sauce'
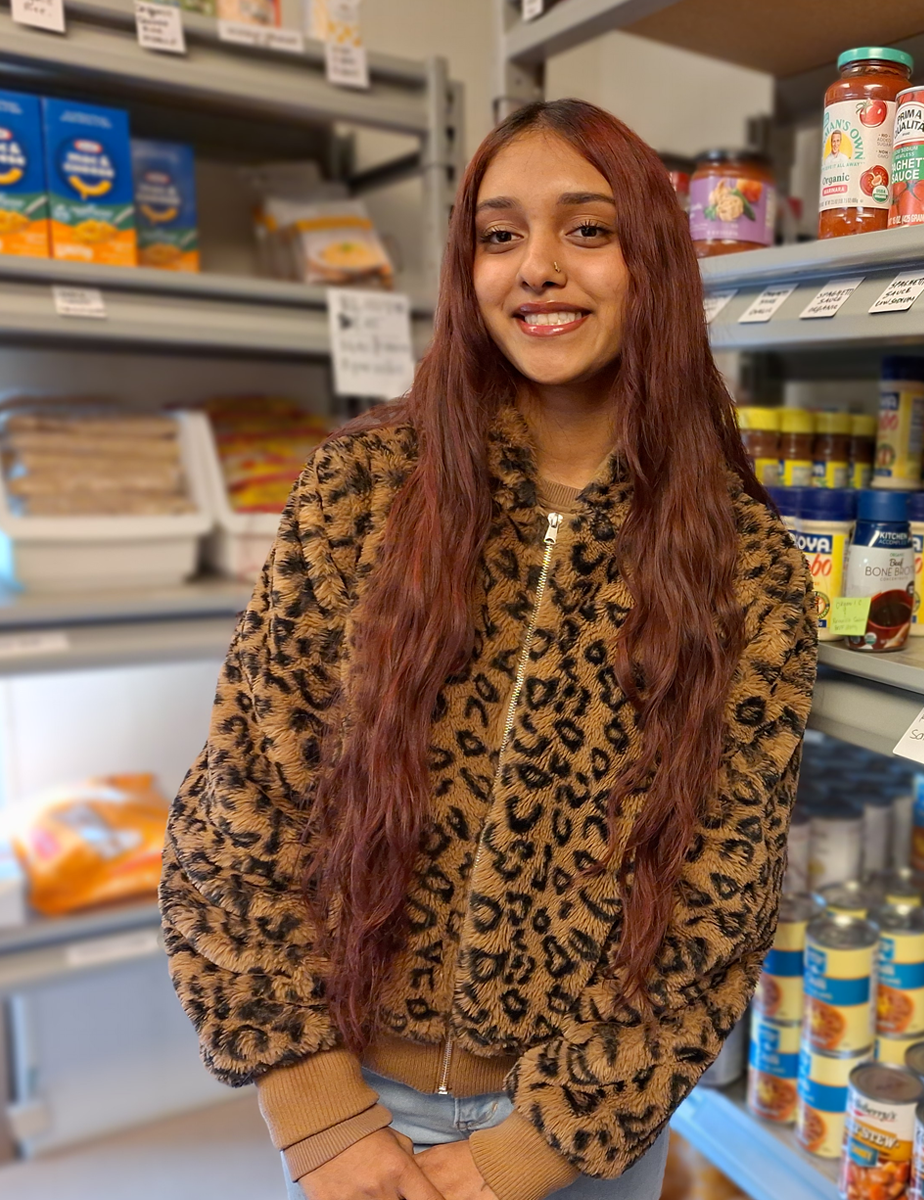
856 156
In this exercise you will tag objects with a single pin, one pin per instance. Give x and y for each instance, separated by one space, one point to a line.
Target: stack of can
900 1003
839 1025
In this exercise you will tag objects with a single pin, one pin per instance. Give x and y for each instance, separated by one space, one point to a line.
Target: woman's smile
549 320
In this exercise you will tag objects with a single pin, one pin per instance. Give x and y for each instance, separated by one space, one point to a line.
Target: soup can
853 899
822 1104
900 995
840 969
917 1156
879 1131
895 1049
914 1057
779 995
907 198
773 1070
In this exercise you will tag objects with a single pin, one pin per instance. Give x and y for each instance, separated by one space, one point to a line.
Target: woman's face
541 203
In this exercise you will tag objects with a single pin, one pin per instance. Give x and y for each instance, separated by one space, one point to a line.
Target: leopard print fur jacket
510 960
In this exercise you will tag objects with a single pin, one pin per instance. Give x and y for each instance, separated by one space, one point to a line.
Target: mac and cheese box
89 170
165 205
23 195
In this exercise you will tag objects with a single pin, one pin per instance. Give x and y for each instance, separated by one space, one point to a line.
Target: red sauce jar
856 156
732 202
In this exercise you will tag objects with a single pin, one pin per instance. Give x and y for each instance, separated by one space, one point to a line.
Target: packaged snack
92 843
165 205
23 194
88 166
337 243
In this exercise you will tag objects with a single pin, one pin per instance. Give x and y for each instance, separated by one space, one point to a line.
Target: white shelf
763 1159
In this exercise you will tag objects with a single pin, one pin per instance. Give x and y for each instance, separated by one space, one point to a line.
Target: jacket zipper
551 536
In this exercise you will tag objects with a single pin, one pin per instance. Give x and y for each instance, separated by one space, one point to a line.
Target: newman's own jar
856 157
732 202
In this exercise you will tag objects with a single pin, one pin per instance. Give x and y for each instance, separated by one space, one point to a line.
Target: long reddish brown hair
677 650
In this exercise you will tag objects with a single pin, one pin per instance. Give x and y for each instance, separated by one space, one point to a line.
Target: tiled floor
218 1153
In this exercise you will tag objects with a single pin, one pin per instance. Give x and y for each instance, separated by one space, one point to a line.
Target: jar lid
788 499
875 505
863 425
829 504
833 422
728 156
882 53
797 420
752 417
916 513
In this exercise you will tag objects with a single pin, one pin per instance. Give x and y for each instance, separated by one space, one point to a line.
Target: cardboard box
165 205
23 194
89 171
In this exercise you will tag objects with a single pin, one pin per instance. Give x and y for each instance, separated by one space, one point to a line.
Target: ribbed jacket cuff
314 1151
517 1163
323 1090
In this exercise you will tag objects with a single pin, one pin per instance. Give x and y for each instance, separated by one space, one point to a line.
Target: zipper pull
551 533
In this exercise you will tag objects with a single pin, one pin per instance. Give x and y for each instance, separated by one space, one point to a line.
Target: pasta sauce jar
856 158
907 206
732 202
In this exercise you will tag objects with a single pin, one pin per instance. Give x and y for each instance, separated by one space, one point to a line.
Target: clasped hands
383 1166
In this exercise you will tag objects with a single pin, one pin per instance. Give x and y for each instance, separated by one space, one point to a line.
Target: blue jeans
431 1120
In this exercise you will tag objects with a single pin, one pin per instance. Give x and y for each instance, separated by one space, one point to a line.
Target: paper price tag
715 302
849 615
112 949
829 300
79 302
238 33
901 293
766 304
532 9
27 645
41 14
371 340
160 27
346 65
911 743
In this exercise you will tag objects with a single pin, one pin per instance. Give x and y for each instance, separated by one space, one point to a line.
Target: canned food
852 898
917 1155
907 200
902 826
779 989
836 851
900 996
877 832
840 1013
773 1070
900 886
822 1105
895 1049
914 1057
879 1132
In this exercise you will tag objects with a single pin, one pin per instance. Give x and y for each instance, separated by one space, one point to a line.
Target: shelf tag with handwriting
849 615
532 9
28 645
715 302
911 743
828 301
239 33
41 14
160 27
370 335
901 293
79 302
766 304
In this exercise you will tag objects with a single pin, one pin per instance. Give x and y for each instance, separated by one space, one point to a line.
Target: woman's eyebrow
496 202
585 198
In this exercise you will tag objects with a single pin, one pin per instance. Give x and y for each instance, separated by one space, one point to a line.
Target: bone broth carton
165 205
23 195
89 169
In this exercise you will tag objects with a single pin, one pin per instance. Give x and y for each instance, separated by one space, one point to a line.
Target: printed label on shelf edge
79 302
112 949
371 342
26 645
911 743
160 27
766 304
533 9
289 41
829 300
715 302
346 66
41 14
901 293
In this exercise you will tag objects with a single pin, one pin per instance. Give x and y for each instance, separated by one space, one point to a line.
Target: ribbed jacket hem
313 1152
517 1163
312 1096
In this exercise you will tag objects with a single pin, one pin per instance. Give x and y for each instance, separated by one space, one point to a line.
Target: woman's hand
451 1169
380 1166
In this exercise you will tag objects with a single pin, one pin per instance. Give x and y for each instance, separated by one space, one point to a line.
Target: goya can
900 431
900 997
852 899
822 1105
840 966
907 198
773 1070
896 1049
879 1132
779 993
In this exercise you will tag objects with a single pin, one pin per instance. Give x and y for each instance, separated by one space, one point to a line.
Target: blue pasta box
165 205
23 194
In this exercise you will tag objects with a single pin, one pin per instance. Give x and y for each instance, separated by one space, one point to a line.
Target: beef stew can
879 1132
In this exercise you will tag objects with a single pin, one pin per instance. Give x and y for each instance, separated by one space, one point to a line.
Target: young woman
480 862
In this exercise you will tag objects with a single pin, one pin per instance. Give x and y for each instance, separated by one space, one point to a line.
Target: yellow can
852 899
901 426
822 1106
900 1000
894 1049
840 1010
779 989
773 1070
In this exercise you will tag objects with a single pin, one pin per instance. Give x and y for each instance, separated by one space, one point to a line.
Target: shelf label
79 302
715 302
95 952
28 645
849 615
239 33
42 14
344 53
532 9
911 743
828 301
160 27
766 304
901 293
370 335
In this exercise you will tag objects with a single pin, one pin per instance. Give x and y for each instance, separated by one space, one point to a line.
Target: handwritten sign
238 33
829 300
766 304
532 9
911 743
370 336
41 14
901 293
849 615
160 27
79 302
715 302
